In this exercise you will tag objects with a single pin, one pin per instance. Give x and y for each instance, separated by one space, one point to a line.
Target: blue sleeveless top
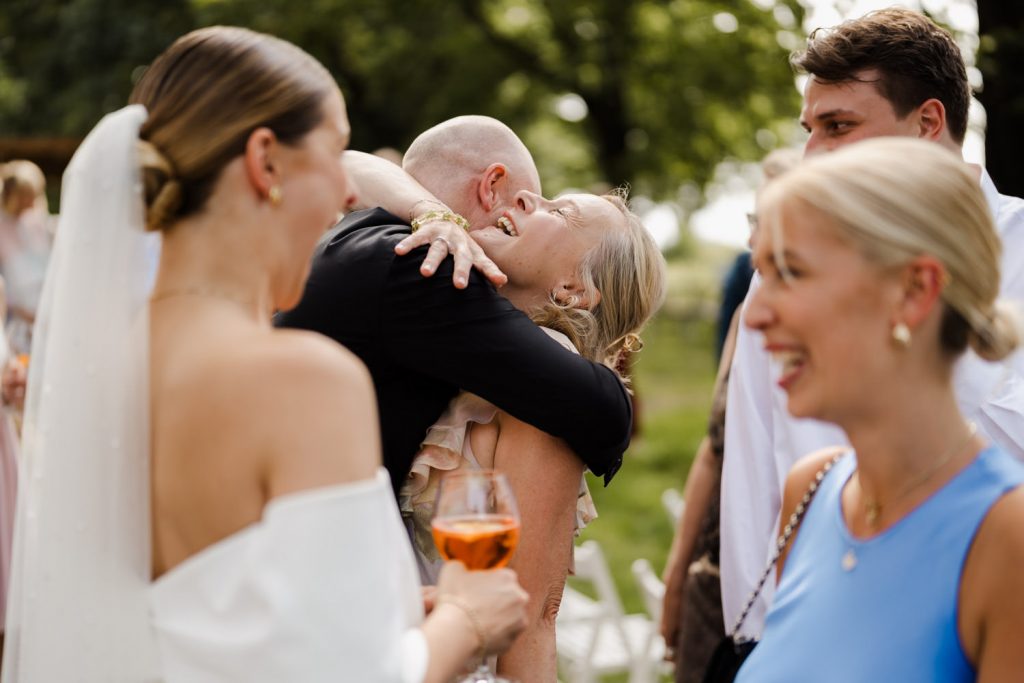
882 609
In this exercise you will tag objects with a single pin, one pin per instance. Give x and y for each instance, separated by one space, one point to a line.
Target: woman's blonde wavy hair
205 95
628 271
898 198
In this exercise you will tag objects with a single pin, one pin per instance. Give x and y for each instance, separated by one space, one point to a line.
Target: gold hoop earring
901 335
275 195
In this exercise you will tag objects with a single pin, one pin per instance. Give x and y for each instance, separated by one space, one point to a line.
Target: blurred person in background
737 279
25 241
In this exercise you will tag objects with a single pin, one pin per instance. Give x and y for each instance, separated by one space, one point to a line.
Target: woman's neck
906 448
208 260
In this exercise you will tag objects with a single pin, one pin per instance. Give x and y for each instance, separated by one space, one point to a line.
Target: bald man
424 339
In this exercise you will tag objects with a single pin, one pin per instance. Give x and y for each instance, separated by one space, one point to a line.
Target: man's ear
931 119
923 281
571 293
490 187
262 164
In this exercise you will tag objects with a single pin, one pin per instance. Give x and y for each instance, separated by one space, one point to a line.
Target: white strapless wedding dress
323 589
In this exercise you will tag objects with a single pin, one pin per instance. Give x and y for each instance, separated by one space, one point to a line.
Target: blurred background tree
648 92
1001 59
70 62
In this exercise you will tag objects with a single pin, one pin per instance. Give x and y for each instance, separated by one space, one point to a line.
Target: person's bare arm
545 476
991 600
700 486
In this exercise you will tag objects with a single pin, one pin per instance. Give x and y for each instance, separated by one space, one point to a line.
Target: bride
259 539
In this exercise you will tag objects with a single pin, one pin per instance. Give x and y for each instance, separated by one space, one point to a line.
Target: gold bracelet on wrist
439 215
456 601
435 203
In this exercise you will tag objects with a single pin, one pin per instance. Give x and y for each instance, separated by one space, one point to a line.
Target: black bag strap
787 533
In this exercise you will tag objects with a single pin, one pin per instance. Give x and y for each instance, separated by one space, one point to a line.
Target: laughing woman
583 267
881 266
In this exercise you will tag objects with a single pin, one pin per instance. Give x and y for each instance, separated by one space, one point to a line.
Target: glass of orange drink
476 521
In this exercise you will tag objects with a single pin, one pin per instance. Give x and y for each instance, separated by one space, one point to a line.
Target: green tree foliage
670 87
72 61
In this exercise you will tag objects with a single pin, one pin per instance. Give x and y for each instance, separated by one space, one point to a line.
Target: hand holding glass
476 521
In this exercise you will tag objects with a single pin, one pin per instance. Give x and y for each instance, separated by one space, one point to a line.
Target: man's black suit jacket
422 340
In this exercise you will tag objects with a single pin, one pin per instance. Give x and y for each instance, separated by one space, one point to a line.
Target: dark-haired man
889 73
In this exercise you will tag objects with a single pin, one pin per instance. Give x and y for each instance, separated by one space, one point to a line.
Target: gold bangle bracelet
438 215
431 205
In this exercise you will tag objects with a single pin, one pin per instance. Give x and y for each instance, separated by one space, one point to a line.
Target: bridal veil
81 569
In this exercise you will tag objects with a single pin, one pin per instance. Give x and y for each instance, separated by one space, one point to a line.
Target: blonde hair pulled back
898 198
627 269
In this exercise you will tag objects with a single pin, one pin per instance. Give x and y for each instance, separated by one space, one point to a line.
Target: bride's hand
445 237
493 602
429 594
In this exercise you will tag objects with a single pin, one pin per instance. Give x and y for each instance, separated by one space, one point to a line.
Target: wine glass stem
483 673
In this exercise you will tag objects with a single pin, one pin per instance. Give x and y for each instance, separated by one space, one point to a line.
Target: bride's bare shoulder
302 352
326 411
304 402
307 371
250 362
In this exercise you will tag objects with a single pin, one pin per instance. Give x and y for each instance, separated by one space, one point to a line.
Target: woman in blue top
881 267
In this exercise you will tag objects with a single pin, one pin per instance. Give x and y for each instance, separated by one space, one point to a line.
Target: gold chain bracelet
439 215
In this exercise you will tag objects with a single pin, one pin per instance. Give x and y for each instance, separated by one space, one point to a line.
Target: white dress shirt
762 441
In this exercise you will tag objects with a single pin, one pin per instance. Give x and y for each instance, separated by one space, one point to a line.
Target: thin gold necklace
203 292
873 507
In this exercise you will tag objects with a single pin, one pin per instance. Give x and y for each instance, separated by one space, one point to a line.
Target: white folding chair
652 590
674 504
595 637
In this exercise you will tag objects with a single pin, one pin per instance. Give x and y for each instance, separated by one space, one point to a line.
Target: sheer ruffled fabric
81 569
446 448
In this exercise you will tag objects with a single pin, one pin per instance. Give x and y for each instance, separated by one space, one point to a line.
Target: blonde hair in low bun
895 199
205 96
999 334
161 188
